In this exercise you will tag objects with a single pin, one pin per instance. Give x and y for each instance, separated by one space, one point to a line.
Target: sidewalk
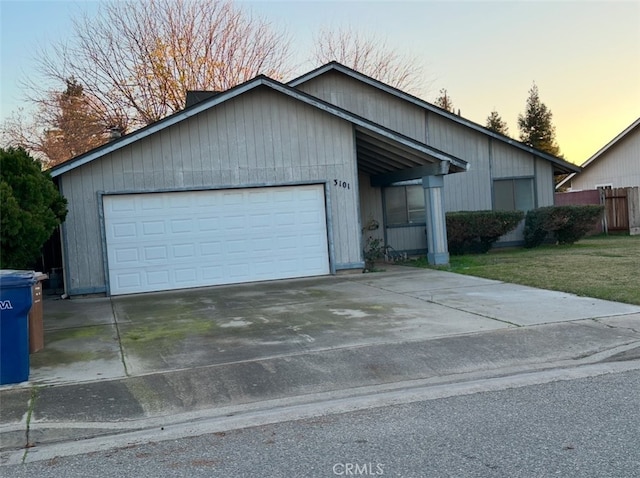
114 365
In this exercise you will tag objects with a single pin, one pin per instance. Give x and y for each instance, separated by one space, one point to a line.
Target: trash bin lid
13 279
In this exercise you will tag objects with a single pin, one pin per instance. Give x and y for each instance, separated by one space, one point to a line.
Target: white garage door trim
178 240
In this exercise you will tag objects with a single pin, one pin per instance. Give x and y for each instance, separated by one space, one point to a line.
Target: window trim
534 191
404 185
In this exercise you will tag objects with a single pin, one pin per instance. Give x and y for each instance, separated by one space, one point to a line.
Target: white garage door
176 240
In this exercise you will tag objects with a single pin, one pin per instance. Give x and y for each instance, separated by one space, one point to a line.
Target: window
513 194
404 205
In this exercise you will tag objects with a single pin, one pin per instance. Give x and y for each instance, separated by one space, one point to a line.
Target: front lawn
605 267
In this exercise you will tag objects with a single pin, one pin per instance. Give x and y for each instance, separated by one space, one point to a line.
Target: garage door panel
186 276
208 224
149 204
121 205
129 280
214 274
158 277
184 251
179 226
211 248
123 230
156 253
163 241
126 255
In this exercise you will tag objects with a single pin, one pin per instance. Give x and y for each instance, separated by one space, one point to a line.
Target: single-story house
615 165
270 180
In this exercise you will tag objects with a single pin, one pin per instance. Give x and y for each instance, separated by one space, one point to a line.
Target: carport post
437 249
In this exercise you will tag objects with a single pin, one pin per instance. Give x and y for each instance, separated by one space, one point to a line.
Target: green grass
604 267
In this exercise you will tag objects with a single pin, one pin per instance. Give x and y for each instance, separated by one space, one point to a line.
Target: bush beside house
30 208
476 231
568 224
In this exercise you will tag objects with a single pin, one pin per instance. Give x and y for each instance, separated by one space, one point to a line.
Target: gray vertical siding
509 162
618 166
545 186
369 102
470 190
370 209
370 206
410 238
489 159
259 138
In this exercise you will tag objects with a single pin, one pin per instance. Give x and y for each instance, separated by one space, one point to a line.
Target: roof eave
611 143
430 107
456 164
154 127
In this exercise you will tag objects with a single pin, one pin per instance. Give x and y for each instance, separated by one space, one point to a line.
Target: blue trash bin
15 303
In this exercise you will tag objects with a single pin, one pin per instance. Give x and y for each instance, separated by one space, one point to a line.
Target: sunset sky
584 56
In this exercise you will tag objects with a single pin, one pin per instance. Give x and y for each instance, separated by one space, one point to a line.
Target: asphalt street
583 427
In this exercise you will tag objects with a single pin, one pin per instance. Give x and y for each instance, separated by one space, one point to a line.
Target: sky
584 56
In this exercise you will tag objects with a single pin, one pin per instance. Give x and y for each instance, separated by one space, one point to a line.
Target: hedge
476 231
30 208
567 223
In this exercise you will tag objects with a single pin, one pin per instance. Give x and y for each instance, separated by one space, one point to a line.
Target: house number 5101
341 184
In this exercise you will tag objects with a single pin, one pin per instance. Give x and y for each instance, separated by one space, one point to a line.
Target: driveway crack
31 408
115 322
599 321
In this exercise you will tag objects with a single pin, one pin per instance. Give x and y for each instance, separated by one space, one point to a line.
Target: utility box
36 326
15 303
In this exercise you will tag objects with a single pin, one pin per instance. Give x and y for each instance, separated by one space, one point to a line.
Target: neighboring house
270 181
616 165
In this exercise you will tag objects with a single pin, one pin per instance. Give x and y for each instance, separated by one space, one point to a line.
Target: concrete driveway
89 339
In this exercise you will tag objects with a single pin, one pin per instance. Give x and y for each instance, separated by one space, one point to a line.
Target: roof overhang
388 161
380 150
560 166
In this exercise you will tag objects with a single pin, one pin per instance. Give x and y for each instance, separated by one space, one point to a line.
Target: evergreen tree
75 128
497 124
536 128
444 101
66 124
30 208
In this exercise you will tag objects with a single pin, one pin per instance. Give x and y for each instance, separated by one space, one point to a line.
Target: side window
415 204
404 205
513 194
396 205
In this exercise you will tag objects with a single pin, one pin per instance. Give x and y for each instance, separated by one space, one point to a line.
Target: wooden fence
616 206
622 207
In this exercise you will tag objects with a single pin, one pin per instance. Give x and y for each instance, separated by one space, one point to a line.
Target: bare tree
370 55
138 59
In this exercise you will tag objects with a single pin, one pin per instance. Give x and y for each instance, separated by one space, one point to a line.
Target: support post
437 249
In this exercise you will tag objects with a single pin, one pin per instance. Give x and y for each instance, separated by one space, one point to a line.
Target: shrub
535 231
476 231
373 251
567 223
30 208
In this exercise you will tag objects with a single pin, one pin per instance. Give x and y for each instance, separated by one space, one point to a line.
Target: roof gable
561 165
393 140
601 152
